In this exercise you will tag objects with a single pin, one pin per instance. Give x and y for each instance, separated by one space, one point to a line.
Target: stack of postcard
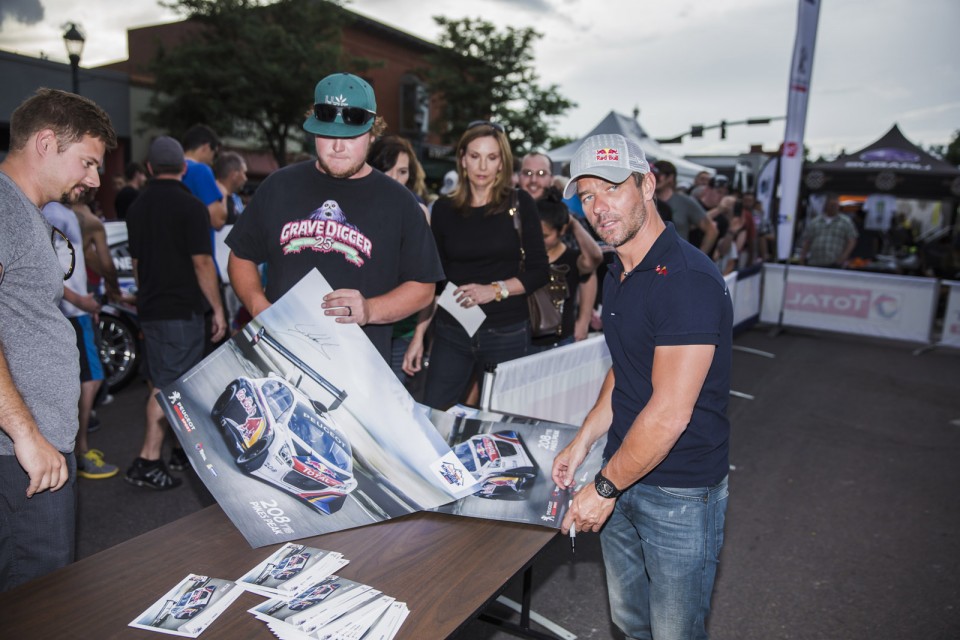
306 600
333 608
290 568
190 607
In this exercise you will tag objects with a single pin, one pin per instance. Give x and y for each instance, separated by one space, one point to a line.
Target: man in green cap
362 230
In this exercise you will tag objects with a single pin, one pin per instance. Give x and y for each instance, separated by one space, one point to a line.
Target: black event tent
892 165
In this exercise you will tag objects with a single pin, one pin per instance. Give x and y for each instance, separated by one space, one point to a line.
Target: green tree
483 73
249 68
952 152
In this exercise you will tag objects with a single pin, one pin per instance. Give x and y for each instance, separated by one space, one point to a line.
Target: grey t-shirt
38 343
687 213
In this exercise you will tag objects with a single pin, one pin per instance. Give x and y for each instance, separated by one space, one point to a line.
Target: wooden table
446 568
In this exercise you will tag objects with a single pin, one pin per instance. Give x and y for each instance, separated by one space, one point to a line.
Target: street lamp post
74 41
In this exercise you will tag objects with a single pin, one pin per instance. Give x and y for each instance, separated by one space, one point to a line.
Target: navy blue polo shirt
675 296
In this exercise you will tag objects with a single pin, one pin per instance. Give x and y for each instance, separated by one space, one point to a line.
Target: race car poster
511 457
190 607
298 427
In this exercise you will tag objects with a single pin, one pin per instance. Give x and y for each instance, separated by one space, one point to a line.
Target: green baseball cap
344 107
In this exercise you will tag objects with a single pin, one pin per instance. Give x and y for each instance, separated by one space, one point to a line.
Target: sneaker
178 459
90 465
151 474
94 423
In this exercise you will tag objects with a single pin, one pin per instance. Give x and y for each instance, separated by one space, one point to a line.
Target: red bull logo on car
611 155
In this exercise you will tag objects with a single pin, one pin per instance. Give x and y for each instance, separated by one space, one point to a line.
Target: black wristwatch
605 488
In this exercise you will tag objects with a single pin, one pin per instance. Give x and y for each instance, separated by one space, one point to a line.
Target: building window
414 108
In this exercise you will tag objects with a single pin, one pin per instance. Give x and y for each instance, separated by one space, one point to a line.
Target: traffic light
696 131
723 129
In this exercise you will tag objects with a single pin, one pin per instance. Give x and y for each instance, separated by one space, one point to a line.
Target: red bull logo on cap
611 155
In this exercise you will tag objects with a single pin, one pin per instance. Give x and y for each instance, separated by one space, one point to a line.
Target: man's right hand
45 465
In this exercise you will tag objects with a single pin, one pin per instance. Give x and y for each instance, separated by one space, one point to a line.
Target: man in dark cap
362 230
170 245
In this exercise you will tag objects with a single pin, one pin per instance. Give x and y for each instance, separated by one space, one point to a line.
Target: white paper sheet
471 318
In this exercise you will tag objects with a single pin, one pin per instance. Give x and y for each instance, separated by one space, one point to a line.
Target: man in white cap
363 231
661 496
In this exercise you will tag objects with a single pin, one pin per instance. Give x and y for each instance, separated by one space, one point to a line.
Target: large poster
298 428
512 459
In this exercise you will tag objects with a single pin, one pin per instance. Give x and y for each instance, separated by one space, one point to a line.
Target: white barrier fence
560 385
951 319
878 305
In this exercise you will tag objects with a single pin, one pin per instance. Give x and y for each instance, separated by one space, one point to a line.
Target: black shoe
94 423
151 474
178 459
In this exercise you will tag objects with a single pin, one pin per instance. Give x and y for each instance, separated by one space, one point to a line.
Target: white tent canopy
631 129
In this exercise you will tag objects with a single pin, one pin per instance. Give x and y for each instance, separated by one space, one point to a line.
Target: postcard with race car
298 427
289 568
317 603
512 459
190 607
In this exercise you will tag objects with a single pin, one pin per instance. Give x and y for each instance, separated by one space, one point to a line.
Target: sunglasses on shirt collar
354 116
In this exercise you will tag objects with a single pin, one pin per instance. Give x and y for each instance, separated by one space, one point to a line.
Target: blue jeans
455 355
661 547
36 534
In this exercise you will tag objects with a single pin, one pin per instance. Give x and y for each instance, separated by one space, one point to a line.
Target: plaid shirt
828 238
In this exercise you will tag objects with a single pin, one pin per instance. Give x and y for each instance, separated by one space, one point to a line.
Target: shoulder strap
514 212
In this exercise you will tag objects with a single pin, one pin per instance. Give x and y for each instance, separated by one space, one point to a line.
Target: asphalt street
842 521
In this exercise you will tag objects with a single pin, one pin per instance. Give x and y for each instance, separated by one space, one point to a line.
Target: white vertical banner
767 188
791 155
951 320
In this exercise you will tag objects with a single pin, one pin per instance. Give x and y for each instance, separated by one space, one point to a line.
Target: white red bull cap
610 156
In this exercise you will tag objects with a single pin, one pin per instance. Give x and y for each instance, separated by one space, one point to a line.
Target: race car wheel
221 404
252 458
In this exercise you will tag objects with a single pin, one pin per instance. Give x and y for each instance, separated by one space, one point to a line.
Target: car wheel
221 404
251 459
119 351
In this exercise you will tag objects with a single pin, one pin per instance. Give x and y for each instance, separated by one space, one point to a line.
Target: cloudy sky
681 62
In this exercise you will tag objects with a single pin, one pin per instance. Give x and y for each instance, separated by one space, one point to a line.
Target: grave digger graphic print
281 436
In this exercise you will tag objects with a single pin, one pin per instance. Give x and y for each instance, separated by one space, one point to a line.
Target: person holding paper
481 253
362 230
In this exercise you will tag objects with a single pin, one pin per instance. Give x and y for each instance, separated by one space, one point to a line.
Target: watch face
605 488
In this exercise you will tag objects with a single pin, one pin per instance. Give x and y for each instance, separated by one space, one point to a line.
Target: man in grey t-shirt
57 144
687 212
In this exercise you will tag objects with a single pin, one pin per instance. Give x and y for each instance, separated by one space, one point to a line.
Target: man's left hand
588 511
348 305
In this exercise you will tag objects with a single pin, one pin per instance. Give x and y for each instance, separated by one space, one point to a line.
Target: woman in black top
480 250
580 263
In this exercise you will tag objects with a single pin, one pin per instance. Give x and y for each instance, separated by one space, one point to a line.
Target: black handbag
546 303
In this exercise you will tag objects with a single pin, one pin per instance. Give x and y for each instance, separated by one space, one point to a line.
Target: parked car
120 343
